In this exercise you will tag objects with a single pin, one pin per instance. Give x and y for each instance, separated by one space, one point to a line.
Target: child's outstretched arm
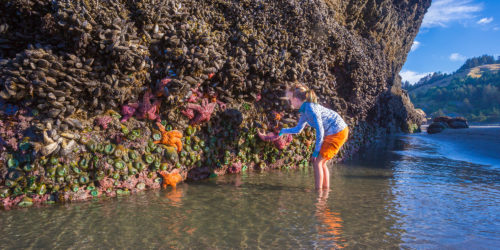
297 129
317 124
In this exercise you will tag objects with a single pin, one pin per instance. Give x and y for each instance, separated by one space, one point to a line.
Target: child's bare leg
318 172
326 175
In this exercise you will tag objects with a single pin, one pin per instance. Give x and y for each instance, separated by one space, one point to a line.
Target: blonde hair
304 93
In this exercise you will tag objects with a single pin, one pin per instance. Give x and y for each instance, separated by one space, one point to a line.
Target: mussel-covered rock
94 94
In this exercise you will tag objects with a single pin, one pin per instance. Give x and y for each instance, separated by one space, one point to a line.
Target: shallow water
403 193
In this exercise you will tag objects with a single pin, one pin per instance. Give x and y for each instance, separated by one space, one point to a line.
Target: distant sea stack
104 98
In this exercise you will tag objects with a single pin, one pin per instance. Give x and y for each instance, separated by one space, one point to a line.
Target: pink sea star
235 168
195 94
128 111
199 113
280 142
103 121
144 110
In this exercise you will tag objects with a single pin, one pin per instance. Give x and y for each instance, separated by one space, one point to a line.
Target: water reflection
330 227
174 195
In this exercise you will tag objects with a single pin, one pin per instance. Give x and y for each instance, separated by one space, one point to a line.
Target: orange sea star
170 179
170 138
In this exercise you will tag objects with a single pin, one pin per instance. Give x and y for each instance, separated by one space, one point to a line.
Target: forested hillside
477 99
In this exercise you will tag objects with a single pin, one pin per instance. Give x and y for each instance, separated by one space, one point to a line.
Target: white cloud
443 12
415 45
485 20
411 76
457 57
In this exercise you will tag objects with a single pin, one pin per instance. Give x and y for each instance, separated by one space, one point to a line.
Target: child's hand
313 159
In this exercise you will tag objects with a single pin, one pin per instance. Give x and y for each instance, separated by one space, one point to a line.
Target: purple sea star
279 141
103 121
144 110
199 113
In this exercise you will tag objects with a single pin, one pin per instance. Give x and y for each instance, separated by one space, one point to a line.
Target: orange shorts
332 143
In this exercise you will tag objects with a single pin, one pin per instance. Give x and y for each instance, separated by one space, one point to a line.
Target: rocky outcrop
65 64
442 122
436 127
458 122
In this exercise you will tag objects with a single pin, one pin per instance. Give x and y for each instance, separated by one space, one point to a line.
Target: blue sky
452 31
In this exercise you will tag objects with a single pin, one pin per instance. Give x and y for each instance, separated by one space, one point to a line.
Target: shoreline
477 144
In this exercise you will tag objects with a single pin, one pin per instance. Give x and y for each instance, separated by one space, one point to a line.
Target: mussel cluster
67 68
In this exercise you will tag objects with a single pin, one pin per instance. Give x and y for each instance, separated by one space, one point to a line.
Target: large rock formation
68 67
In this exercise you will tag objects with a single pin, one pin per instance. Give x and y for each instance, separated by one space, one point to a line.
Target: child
331 130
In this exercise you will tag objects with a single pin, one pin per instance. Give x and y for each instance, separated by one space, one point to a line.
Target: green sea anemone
119 164
4 192
100 147
119 151
156 136
122 192
131 137
109 149
76 170
83 179
139 166
26 202
133 155
152 145
92 146
141 186
54 160
163 166
62 170
28 167
190 130
132 171
125 130
136 132
156 164
149 158
84 163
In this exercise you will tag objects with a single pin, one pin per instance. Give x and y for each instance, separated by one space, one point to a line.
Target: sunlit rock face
66 66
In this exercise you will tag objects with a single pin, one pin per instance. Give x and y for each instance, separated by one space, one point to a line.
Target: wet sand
480 144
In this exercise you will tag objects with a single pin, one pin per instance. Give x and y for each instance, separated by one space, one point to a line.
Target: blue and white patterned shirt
324 121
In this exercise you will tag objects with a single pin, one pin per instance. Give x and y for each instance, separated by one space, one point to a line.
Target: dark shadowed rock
458 122
436 127
444 119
